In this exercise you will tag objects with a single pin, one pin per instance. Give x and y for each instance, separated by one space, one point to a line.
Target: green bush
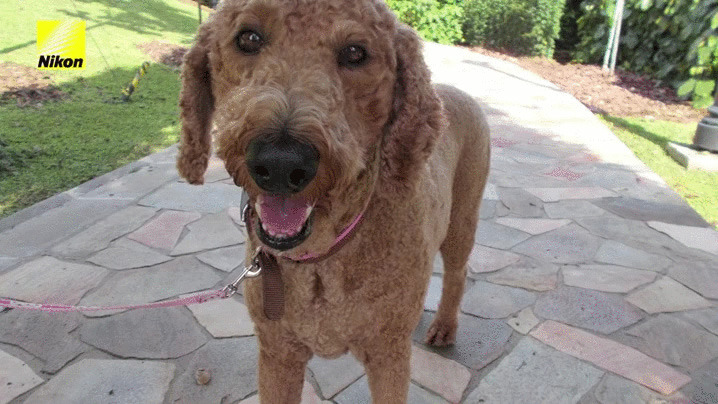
672 40
525 26
435 20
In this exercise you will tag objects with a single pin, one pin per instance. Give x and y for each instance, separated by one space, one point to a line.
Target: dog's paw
441 333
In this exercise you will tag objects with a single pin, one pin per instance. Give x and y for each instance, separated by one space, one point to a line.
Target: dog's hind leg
455 252
468 188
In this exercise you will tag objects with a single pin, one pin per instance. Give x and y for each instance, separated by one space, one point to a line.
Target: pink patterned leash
249 271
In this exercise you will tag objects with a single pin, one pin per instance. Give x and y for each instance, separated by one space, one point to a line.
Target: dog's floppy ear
196 108
417 116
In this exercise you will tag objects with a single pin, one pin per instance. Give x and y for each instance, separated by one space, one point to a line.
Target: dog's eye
249 42
352 56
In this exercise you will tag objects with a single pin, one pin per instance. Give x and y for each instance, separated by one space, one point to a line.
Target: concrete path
590 281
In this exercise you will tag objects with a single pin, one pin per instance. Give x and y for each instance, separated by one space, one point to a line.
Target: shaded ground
27 85
622 94
162 52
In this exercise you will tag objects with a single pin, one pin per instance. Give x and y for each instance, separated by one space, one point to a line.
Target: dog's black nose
283 165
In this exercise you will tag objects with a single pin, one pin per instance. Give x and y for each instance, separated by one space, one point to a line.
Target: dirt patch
27 85
622 94
165 53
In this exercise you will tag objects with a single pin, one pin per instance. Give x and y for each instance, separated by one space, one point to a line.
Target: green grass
48 149
648 139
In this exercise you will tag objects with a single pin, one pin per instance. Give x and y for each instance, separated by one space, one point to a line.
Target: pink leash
194 298
249 271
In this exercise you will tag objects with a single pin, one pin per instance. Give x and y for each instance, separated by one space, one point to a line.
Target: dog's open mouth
284 222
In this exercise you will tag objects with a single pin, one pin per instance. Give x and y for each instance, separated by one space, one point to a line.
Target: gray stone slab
103 381
666 295
163 231
674 341
478 341
135 286
212 231
613 252
486 259
358 393
704 388
207 198
520 203
606 278
559 194
224 318
528 274
442 376
626 231
147 334
699 276
532 226
708 318
487 300
45 335
225 259
16 377
99 235
127 254
7 262
334 375
693 158
40 232
433 294
49 280
523 321
643 210
538 373
491 234
614 389
136 184
571 209
488 209
568 245
701 238
490 193
587 309
232 365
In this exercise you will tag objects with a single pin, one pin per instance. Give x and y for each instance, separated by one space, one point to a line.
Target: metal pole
707 131
619 7
611 37
199 11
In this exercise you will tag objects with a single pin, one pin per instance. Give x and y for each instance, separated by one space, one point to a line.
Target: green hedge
527 27
435 20
673 40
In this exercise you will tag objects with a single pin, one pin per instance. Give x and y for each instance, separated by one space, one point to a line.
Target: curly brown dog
326 116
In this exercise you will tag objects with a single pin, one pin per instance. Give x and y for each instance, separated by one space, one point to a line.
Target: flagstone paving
590 280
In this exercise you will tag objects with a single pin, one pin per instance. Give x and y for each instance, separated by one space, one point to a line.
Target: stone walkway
590 282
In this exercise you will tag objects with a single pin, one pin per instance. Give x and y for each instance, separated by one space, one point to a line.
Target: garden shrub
435 20
527 27
672 40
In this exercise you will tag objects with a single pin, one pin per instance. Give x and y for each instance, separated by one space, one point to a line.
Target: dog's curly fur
416 156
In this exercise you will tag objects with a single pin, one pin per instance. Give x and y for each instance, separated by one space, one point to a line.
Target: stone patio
591 281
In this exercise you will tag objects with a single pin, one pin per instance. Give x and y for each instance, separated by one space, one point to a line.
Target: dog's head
317 105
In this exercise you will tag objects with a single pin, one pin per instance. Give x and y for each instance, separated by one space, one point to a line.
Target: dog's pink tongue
284 215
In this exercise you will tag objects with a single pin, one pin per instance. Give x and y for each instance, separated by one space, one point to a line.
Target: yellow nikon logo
61 45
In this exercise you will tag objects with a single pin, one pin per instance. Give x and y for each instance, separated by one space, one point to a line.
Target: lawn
59 144
647 139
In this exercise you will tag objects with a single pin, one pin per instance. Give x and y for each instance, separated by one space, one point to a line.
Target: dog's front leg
281 375
386 361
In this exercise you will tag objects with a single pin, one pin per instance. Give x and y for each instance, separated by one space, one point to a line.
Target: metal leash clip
250 271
